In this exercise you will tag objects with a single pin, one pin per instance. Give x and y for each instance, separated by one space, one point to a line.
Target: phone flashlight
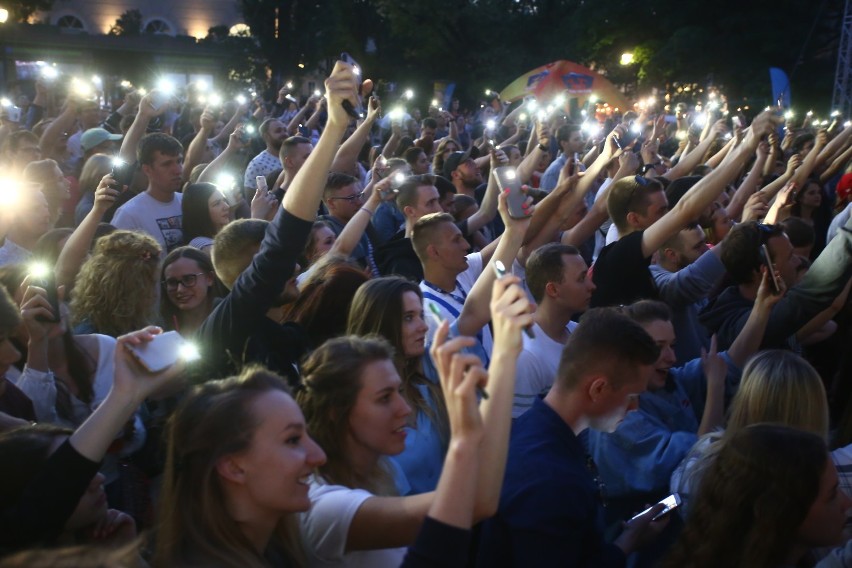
435 103
317 93
835 113
522 117
490 124
789 114
166 86
289 84
241 99
225 181
399 178
487 92
215 99
409 94
49 73
500 270
5 102
189 352
847 124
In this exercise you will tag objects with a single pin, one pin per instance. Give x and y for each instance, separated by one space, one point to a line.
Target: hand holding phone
670 503
766 259
507 178
163 351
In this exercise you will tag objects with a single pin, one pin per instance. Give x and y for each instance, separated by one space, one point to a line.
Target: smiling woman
237 466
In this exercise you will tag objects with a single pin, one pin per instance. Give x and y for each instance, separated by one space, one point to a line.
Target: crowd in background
426 337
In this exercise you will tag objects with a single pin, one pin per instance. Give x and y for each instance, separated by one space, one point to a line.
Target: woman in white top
352 401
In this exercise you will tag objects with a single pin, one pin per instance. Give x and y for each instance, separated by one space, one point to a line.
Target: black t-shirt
621 273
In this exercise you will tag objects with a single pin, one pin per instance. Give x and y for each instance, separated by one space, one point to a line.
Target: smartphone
163 351
121 173
767 260
261 182
158 99
507 177
348 106
47 280
247 133
671 503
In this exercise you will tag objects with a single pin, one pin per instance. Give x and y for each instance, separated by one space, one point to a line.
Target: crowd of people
405 359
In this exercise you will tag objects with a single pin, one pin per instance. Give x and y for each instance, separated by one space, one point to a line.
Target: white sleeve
474 268
124 220
40 387
325 526
530 381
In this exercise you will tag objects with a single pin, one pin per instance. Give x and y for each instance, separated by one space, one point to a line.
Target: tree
20 11
128 24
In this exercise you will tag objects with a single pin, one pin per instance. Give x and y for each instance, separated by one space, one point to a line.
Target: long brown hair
377 308
752 499
214 421
330 386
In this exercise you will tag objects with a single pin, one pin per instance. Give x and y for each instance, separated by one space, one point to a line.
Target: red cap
844 189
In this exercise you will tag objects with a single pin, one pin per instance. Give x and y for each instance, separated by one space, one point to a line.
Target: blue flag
780 87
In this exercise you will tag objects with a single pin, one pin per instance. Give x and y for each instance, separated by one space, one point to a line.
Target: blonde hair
779 386
95 168
116 289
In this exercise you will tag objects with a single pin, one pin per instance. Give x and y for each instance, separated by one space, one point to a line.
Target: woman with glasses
189 288
205 211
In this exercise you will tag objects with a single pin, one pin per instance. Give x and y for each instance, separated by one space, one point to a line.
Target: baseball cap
94 136
844 189
452 163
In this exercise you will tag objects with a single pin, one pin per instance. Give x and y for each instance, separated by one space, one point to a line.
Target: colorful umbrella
549 80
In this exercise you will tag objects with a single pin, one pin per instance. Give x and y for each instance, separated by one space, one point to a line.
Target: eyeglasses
350 198
187 280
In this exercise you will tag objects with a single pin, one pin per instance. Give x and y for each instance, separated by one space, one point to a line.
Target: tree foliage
128 24
490 42
22 10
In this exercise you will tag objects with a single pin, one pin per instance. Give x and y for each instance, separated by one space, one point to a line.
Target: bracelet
367 210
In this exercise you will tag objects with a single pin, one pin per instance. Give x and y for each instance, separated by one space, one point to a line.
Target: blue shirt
637 460
550 512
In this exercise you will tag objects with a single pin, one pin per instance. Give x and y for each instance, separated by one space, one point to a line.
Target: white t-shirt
536 368
325 527
261 165
163 221
450 304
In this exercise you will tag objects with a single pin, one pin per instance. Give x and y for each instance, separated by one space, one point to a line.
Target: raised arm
62 123
690 161
749 184
137 130
226 131
750 337
74 253
488 209
199 143
702 194
235 144
475 313
347 155
297 120
804 171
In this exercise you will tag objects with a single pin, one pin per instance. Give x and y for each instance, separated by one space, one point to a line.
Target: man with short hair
687 271
416 197
449 272
639 209
557 278
461 170
805 299
157 211
343 198
551 505
294 152
273 132
569 137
